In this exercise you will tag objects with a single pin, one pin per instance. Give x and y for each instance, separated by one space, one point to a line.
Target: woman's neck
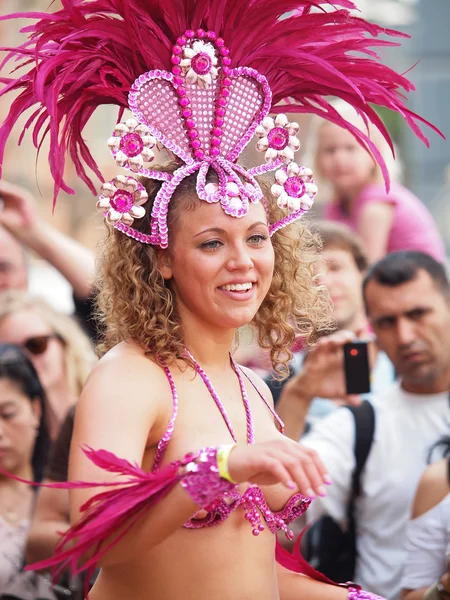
210 347
59 402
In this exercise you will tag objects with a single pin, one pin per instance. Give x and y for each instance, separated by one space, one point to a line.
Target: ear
165 263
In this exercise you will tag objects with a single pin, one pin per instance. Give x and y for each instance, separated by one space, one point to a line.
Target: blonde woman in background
351 183
61 353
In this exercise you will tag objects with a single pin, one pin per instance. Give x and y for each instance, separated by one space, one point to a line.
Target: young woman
24 445
59 350
197 478
352 183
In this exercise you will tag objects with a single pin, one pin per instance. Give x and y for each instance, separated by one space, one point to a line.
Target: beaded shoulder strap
274 414
164 441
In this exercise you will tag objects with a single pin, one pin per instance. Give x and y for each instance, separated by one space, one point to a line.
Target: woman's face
19 423
27 328
221 267
342 161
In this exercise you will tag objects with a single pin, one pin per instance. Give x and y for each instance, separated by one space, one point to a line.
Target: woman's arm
426 536
374 226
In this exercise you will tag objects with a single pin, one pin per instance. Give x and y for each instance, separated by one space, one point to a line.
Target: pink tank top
253 497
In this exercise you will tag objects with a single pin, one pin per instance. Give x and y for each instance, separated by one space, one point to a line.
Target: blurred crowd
387 450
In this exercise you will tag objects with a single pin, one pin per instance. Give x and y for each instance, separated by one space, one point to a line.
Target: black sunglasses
38 344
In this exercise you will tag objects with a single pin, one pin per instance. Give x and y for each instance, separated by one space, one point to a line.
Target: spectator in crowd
21 229
407 297
426 575
60 351
309 390
357 196
24 444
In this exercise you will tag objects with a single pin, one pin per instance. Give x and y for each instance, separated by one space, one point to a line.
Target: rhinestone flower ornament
234 203
278 138
294 188
131 145
121 199
199 64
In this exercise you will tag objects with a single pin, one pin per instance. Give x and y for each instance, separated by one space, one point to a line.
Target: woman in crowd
427 568
60 352
195 251
24 445
352 183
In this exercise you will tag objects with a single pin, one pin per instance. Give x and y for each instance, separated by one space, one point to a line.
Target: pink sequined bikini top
252 500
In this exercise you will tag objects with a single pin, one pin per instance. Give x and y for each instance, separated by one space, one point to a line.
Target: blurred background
426 171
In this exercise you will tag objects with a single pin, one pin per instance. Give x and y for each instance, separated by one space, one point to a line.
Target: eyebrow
7 404
222 231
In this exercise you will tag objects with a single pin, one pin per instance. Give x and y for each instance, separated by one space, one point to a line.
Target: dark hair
16 366
444 444
337 235
401 267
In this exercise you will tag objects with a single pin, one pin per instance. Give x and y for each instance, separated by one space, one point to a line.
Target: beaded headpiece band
274 57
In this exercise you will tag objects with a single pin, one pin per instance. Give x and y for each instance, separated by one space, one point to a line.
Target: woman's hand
278 461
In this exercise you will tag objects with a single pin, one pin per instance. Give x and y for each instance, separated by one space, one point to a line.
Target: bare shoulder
124 377
259 383
432 489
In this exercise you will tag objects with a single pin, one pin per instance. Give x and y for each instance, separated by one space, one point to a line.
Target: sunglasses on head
38 344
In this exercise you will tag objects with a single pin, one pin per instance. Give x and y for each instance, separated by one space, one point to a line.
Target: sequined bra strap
275 416
164 441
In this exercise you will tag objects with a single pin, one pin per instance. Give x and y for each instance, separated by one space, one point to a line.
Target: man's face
13 269
343 279
412 324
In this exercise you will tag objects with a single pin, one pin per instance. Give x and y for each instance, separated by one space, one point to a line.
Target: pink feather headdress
200 77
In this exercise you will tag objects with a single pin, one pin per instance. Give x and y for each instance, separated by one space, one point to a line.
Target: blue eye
258 238
211 245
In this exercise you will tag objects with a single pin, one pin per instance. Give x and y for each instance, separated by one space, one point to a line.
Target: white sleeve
333 438
426 547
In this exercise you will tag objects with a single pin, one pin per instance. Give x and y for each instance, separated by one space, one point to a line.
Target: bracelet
223 453
201 480
358 594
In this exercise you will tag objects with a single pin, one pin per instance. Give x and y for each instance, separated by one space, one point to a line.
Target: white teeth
238 287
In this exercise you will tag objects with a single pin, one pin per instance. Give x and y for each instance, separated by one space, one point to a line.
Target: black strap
364 416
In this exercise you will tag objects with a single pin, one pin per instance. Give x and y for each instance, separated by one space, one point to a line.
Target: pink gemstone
187 112
226 70
278 138
224 51
181 40
215 141
181 91
193 133
211 35
184 101
131 144
201 63
176 70
226 61
217 131
201 33
225 92
226 82
177 50
220 111
190 123
122 201
295 187
219 42
199 153
178 80
222 102
189 33
175 60
215 151
196 144
218 121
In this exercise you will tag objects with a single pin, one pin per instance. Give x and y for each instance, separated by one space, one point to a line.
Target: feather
90 52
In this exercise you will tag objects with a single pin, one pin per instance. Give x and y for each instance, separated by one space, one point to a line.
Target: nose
239 258
406 333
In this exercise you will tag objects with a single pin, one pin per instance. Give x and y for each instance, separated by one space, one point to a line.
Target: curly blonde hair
136 303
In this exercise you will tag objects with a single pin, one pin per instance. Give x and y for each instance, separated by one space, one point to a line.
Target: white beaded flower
294 188
121 198
233 203
278 138
199 64
131 145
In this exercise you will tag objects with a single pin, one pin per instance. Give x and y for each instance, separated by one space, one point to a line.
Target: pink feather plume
90 52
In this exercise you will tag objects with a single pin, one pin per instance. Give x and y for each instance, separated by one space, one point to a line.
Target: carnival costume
200 78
